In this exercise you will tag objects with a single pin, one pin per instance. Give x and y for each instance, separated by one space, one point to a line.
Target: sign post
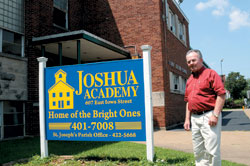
148 100
43 142
105 101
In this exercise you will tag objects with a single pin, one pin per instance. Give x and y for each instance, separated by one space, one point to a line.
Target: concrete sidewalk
247 112
235 145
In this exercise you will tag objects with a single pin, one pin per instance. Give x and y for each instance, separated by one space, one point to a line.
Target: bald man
205 97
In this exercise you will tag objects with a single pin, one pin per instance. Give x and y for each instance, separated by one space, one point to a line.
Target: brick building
75 31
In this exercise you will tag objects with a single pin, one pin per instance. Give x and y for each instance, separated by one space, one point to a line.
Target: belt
200 112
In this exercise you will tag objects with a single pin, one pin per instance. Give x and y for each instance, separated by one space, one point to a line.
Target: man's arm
217 109
187 119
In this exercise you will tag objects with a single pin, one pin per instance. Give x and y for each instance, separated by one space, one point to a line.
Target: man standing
205 97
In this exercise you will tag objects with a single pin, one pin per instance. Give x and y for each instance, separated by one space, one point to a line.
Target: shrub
239 102
230 103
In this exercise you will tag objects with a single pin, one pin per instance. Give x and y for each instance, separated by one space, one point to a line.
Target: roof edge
81 34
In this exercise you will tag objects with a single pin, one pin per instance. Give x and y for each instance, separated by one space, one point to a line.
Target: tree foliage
248 84
235 84
244 92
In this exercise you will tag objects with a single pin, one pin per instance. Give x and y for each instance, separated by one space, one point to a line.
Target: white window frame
180 31
167 11
180 85
184 34
183 82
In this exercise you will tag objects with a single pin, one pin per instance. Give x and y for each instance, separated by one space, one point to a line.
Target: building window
11 43
61 94
12 15
12 27
54 103
68 94
11 119
173 82
68 102
54 94
177 83
183 84
182 32
175 25
172 22
60 13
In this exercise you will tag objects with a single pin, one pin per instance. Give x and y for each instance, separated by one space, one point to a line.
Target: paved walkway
235 143
235 120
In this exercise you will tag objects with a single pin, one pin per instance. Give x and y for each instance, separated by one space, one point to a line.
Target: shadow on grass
131 159
12 150
73 147
97 158
176 160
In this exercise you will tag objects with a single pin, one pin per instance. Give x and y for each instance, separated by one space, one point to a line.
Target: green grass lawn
91 153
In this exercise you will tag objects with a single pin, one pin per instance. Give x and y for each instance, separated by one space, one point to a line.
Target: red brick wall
159 117
39 22
132 23
124 23
99 20
139 23
128 23
174 51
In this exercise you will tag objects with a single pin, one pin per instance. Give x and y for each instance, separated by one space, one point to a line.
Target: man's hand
187 119
187 125
217 109
213 120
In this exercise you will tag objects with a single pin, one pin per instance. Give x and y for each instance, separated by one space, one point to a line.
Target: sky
221 30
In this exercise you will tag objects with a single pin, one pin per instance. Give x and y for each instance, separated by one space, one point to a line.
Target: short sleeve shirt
202 89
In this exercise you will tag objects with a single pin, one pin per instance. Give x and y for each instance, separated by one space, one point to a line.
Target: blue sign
95 102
